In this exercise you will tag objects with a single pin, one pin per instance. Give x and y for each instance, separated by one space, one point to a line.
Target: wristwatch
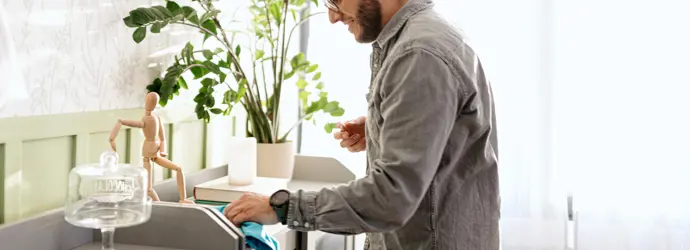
279 202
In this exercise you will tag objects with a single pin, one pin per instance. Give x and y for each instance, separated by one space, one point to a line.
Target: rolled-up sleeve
419 106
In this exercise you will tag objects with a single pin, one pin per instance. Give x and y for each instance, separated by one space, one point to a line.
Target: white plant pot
276 160
242 161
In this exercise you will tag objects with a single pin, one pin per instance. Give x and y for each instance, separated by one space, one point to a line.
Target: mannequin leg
152 193
181 186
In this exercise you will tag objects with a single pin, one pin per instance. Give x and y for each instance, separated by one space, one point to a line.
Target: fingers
351 141
341 135
358 146
241 218
238 212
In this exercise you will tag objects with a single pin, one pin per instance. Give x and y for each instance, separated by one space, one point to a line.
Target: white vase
276 160
242 161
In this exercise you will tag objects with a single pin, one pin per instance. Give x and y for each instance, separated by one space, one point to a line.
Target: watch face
280 197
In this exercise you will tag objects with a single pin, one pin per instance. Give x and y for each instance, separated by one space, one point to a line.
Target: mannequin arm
161 137
116 129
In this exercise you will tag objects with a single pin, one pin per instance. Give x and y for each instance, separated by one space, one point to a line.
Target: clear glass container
106 196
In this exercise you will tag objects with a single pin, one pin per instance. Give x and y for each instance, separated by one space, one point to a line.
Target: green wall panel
35 159
45 172
2 183
188 146
99 142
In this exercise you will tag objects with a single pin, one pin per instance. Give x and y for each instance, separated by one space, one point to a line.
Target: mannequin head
152 99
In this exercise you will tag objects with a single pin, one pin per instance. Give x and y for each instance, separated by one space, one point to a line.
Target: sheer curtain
592 103
623 118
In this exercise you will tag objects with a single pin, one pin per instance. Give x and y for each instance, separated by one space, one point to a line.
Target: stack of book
219 192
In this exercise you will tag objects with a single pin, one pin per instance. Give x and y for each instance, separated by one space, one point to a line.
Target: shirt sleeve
420 98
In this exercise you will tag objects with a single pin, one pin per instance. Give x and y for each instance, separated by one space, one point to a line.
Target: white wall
65 56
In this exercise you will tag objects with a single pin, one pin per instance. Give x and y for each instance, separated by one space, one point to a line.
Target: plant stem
276 99
263 73
301 119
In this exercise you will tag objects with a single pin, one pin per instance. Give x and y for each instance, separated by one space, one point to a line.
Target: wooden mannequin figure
153 147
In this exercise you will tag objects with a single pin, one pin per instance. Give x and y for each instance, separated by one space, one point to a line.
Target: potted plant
226 80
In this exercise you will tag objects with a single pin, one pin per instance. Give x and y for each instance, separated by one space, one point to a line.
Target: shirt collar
398 20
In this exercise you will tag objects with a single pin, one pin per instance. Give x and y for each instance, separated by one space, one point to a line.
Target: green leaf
207 82
210 101
317 76
208 54
161 12
316 2
294 15
173 8
139 34
212 67
177 18
199 72
139 17
301 83
238 50
259 54
155 86
190 14
331 106
188 52
228 110
329 127
129 22
200 98
156 27
288 75
208 15
223 64
216 111
210 26
274 10
338 112
152 16
323 94
182 82
312 68
242 87
222 77
230 96
319 86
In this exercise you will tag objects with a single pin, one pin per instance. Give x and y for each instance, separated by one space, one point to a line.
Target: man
429 135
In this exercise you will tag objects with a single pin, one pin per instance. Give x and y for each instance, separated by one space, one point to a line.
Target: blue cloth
255 236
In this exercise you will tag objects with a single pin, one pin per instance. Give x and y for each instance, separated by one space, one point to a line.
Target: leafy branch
258 93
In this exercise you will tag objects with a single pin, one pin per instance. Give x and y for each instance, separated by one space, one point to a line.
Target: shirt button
295 223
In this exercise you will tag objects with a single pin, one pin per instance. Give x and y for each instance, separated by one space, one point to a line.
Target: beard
369 19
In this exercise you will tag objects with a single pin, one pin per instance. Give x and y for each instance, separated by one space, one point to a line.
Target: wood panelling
37 153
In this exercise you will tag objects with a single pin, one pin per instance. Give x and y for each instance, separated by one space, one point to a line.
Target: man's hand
251 207
352 134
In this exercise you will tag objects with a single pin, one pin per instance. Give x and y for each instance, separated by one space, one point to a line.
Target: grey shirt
432 177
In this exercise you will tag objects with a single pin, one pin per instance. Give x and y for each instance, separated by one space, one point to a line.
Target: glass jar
107 195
